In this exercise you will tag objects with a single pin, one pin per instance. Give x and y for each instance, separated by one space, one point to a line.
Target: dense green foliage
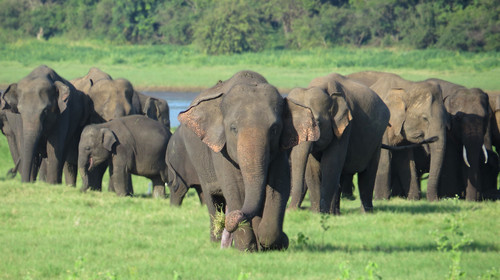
56 232
235 26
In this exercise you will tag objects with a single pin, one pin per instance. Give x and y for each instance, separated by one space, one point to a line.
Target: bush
230 27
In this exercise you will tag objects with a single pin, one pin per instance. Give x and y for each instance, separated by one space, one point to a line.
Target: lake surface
177 102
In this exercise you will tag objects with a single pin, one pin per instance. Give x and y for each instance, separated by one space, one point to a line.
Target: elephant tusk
465 157
485 155
226 240
91 163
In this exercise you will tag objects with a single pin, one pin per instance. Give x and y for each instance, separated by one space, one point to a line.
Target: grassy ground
56 232
184 68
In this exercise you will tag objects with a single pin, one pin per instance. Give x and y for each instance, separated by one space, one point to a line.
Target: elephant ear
341 112
108 138
397 107
64 92
151 108
204 118
497 104
299 125
10 98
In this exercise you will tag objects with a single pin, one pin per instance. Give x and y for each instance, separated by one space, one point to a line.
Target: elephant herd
247 149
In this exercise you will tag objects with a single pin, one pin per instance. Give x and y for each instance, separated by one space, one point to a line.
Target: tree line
235 26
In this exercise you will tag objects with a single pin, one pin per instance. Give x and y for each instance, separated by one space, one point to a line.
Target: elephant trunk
298 159
437 152
85 178
31 136
472 153
253 154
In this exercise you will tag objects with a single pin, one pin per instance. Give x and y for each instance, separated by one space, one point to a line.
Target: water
177 102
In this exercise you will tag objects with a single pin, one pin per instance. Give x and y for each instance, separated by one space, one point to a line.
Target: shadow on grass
483 247
406 208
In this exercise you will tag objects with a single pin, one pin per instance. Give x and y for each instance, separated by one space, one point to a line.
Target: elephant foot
280 244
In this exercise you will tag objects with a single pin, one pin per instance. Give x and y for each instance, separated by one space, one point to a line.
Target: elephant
181 172
466 151
153 108
52 113
131 145
118 91
417 114
352 120
11 127
93 76
237 134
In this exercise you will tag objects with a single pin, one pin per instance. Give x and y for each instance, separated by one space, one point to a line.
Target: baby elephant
133 144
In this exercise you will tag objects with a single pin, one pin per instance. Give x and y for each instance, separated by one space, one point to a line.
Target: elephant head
112 99
249 123
94 75
332 113
40 98
95 147
157 109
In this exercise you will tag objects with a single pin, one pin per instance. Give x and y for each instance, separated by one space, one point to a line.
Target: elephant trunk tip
233 219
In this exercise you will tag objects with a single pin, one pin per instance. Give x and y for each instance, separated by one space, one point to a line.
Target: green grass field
57 232
184 68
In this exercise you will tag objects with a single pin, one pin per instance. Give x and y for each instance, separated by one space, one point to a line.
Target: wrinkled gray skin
470 113
11 126
53 113
131 145
112 99
181 172
490 172
236 135
93 76
352 120
417 113
153 108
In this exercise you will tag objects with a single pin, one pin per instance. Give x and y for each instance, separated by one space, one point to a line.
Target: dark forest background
235 26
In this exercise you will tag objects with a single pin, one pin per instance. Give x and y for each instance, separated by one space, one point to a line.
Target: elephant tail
410 146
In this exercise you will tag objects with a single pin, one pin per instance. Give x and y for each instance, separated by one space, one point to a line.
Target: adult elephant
417 114
236 135
466 152
53 114
116 92
352 120
93 76
181 172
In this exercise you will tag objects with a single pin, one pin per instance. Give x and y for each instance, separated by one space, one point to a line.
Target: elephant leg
366 182
332 163
347 186
95 176
199 191
270 229
383 177
121 180
54 163
414 191
313 182
42 170
158 188
70 171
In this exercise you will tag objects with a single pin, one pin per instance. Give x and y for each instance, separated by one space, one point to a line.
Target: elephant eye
233 129
274 129
87 148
